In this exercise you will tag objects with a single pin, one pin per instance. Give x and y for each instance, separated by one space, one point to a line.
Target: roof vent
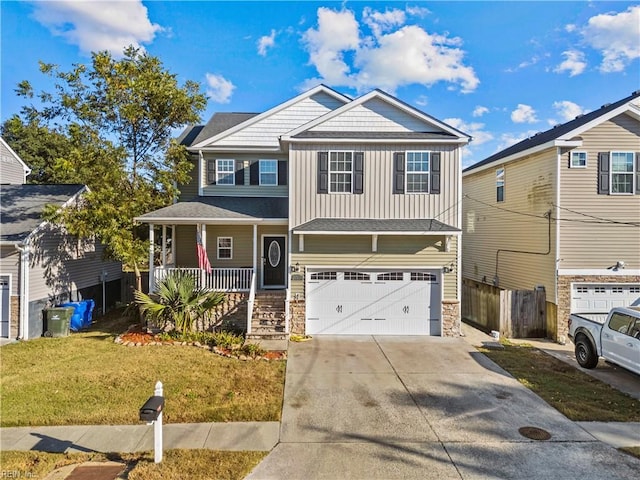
605 105
578 116
537 133
637 92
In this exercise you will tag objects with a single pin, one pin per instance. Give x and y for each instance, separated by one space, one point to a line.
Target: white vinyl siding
11 170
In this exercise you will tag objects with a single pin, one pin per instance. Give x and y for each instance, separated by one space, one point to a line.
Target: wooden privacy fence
514 313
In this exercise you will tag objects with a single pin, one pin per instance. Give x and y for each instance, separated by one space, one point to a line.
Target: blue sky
499 71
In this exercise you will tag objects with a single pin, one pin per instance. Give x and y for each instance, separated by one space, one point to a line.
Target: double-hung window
225 248
500 185
417 172
268 172
340 172
578 160
622 172
225 172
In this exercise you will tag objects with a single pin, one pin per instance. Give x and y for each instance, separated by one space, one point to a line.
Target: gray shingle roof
21 207
392 225
553 133
222 208
218 123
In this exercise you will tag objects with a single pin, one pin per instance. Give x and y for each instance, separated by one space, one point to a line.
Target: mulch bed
136 337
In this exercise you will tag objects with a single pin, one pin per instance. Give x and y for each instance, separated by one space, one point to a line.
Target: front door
273 262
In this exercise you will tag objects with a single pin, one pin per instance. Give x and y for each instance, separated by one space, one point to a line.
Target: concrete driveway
421 407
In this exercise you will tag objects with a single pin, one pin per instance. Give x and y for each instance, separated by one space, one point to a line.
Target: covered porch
228 244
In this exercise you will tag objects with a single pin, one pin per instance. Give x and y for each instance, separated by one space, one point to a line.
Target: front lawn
87 379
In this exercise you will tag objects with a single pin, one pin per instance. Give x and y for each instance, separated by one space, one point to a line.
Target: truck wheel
585 354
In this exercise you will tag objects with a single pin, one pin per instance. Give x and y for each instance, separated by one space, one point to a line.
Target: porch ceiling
213 210
367 226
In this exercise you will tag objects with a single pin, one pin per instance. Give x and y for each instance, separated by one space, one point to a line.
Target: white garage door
602 297
373 302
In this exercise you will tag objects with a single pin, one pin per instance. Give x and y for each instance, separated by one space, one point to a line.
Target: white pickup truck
615 337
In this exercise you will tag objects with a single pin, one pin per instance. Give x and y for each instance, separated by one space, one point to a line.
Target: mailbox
152 408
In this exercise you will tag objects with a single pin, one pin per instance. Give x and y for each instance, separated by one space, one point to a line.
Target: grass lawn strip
87 379
575 394
176 464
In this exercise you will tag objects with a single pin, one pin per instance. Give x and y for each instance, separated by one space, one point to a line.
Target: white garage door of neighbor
373 302
602 297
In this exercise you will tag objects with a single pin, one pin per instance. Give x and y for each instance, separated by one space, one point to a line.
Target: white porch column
23 318
173 245
151 256
255 249
203 237
164 246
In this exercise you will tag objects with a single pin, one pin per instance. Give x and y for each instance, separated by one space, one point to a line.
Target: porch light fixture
448 268
295 268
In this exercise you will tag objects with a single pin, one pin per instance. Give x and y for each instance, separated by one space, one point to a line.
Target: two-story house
561 211
350 208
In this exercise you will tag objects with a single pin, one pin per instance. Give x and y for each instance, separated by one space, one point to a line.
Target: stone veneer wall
564 296
14 316
450 317
230 313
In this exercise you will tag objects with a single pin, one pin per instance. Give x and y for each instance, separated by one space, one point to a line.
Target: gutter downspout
23 327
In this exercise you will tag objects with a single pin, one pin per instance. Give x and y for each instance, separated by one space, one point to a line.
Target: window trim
500 184
231 174
331 172
260 172
417 172
221 248
632 172
586 159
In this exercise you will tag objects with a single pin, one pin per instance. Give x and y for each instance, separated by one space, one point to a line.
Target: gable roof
22 206
218 133
564 132
434 129
218 123
16 157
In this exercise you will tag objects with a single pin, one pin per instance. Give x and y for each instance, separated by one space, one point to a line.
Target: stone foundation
451 318
14 316
297 311
564 296
230 314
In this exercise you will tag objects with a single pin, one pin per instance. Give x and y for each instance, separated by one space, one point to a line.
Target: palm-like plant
178 301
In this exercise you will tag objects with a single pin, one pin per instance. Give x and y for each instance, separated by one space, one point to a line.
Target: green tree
118 117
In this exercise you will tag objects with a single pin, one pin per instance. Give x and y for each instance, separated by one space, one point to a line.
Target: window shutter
435 173
239 172
323 172
282 172
398 172
211 172
603 173
254 173
637 173
358 172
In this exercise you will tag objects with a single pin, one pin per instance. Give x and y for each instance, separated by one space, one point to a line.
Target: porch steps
268 318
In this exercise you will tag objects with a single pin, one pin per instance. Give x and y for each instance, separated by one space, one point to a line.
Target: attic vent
578 116
537 133
636 92
605 105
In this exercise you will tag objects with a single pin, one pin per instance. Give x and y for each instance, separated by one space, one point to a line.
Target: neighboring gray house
41 265
13 170
326 214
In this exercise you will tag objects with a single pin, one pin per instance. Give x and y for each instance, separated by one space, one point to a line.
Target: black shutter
239 172
603 173
211 172
637 173
358 172
435 172
254 173
282 172
398 172
323 172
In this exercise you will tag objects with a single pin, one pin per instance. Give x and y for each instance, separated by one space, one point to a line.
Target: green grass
176 464
575 394
88 379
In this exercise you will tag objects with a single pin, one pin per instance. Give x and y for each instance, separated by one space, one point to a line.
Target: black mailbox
150 411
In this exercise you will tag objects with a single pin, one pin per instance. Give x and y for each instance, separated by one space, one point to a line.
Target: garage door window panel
390 277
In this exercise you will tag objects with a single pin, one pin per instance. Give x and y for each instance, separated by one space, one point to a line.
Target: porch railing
252 297
220 279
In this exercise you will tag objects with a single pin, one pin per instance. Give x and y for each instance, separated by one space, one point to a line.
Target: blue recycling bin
82 314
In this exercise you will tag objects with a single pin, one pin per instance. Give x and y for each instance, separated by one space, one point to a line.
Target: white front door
373 302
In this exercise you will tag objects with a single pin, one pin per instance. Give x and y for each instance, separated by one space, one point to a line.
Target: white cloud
396 55
97 25
266 42
524 114
219 89
568 110
616 36
474 129
422 101
508 139
573 63
480 111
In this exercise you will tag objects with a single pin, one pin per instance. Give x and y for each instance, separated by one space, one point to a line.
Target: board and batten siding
58 267
245 190
267 131
10 265
377 200
585 242
354 251
190 190
11 170
489 225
